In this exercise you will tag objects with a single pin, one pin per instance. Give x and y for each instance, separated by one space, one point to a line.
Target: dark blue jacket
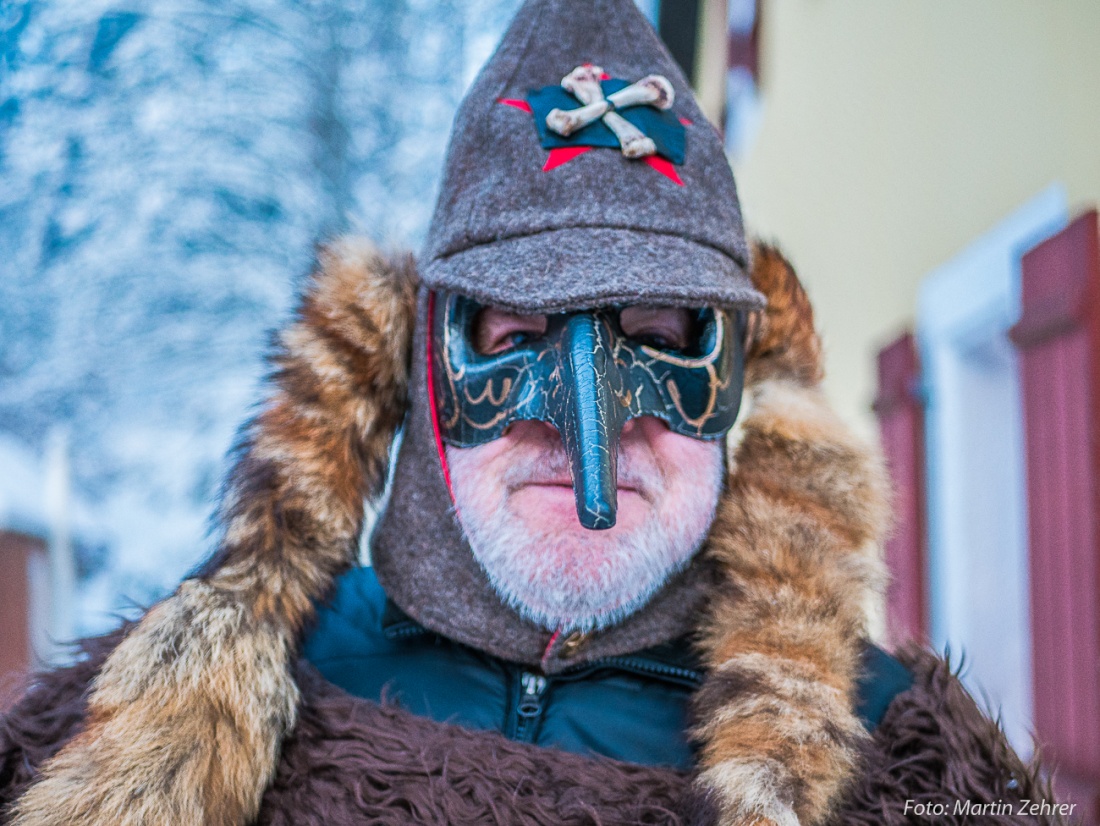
632 707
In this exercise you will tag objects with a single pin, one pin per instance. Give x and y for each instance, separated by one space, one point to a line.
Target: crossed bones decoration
584 84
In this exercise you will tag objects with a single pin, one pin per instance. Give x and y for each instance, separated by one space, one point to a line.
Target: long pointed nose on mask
592 420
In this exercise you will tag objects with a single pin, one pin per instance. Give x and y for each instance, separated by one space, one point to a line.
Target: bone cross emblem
584 84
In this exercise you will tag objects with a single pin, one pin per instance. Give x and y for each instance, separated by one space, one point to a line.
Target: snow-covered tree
166 170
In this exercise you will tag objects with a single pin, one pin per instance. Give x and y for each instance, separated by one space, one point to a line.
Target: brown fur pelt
351 761
49 714
935 746
185 721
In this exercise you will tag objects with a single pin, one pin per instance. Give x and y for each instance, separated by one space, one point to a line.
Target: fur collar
188 715
351 761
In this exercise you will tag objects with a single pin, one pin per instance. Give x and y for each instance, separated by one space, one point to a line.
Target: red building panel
1058 338
743 44
901 425
16 550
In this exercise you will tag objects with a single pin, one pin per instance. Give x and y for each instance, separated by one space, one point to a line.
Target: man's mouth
567 484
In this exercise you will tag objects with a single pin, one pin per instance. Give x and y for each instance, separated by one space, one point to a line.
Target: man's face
515 501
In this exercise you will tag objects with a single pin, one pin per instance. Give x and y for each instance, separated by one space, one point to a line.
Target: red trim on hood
549 648
431 400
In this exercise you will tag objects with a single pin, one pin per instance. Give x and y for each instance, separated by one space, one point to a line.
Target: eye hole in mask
674 329
587 373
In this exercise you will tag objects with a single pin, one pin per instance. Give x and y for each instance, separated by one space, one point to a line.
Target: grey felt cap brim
594 266
513 228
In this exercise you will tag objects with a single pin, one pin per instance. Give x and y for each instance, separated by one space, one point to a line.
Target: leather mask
587 378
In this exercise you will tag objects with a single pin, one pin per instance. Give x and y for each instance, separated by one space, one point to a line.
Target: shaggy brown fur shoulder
936 747
351 761
187 716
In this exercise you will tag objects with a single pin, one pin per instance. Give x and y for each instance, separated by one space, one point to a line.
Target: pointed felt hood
531 220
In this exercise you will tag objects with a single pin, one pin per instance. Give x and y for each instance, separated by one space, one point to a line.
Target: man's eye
663 328
496 330
658 341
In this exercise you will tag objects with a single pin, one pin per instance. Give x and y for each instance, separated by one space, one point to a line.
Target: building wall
894 133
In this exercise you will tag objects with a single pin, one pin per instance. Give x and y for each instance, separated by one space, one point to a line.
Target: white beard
574 579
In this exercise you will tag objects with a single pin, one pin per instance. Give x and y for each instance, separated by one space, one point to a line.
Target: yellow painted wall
894 131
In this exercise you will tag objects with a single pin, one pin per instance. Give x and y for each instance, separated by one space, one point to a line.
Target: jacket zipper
529 708
411 628
638 666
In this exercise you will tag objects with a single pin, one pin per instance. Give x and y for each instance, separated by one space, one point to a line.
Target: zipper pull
529 708
530 704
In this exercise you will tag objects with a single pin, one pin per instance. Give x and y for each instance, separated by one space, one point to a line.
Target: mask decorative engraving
587 378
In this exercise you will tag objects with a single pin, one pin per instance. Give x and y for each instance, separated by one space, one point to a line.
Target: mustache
549 464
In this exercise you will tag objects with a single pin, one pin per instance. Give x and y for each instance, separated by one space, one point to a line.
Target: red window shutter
743 38
1058 338
16 550
901 425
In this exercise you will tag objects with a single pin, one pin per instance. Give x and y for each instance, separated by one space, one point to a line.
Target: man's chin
552 510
